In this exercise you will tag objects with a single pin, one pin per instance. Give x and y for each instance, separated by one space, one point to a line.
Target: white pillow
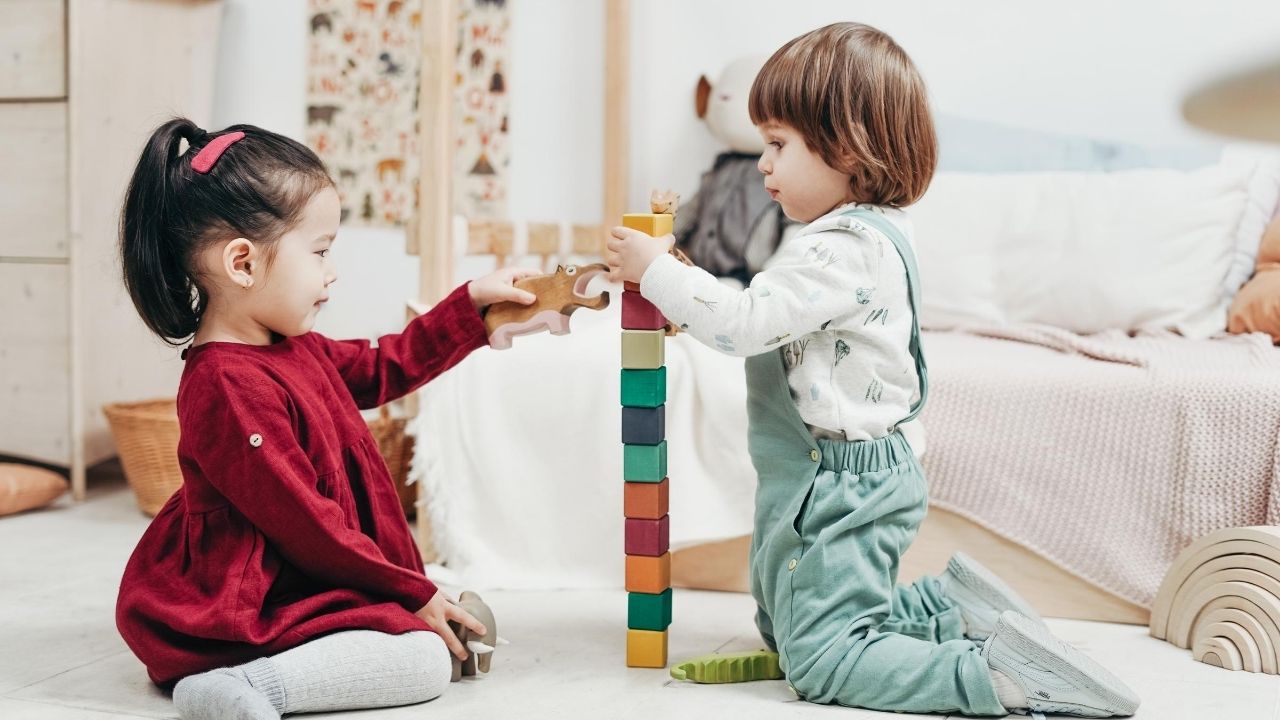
1089 251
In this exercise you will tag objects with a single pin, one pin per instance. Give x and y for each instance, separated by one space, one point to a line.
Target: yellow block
647 648
643 349
655 224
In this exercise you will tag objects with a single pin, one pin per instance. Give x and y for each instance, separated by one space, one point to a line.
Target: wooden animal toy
664 202
558 293
479 648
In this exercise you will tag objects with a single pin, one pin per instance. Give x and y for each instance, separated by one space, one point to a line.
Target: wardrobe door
34 61
33 179
34 362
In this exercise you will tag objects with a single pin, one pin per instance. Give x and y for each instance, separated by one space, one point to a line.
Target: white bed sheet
521 454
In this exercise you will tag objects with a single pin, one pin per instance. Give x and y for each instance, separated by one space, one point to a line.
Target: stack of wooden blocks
644 396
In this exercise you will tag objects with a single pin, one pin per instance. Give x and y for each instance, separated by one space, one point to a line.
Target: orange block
645 499
648 574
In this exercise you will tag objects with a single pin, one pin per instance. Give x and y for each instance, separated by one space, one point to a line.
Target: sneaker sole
987 585
1037 643
730 668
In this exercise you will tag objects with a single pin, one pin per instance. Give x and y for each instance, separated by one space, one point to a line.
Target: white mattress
1106 454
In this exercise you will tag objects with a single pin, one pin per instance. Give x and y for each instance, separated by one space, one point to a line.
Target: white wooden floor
61 659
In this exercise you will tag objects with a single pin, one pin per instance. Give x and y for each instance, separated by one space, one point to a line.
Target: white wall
262 80
1106 69
1114 70
556 90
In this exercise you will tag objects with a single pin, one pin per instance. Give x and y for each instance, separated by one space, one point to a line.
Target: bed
519 460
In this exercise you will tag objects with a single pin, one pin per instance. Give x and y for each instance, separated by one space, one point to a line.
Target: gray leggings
343 671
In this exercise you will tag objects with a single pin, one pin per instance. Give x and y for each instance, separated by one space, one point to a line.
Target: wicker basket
146 435
396 447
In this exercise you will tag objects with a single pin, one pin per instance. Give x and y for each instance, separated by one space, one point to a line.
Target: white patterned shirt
836 300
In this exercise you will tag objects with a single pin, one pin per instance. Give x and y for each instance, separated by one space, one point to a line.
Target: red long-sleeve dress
287 526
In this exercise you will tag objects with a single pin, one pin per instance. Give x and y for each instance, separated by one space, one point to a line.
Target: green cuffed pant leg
825 581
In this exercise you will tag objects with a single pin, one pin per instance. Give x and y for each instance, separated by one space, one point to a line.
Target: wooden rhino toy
559 294
479 647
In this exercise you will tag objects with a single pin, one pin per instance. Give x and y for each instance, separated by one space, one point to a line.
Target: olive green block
643 349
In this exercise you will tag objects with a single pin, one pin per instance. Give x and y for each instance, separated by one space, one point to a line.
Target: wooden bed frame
712 566
1054 592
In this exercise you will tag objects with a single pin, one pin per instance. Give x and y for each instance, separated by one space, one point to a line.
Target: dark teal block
644 388
649 612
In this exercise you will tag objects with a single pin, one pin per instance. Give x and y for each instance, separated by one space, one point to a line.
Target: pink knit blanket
1107 454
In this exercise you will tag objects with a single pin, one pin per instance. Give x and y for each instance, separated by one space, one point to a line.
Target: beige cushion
1256 307
23 487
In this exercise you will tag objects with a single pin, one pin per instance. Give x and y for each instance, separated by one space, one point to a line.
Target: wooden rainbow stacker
644 448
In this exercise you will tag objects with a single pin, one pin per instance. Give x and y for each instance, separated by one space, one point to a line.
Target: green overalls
832 521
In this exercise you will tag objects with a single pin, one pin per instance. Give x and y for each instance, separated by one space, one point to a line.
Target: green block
649 612
644 463
644 388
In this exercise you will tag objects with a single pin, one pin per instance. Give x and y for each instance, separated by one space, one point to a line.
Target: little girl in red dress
282 577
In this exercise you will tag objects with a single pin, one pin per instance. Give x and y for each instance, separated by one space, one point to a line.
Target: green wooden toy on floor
730 667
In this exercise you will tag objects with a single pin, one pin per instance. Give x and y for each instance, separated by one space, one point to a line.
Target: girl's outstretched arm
403 362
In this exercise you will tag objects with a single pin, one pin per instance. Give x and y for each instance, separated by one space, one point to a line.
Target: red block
629 286
640 314
648 537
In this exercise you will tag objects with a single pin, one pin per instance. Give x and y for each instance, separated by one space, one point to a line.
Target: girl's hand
439 611
499 286
629 252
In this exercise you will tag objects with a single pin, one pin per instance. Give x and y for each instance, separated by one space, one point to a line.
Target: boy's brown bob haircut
857 100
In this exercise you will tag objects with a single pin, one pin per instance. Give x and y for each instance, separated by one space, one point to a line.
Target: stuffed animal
731 226
558 293
479 648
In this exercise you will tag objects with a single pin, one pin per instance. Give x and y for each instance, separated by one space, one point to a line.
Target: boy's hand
499 286
437 613
629 252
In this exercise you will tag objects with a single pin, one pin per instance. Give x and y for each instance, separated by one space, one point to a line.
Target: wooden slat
33 49
34 363
435 182
494 237
589 239
544 239
617 128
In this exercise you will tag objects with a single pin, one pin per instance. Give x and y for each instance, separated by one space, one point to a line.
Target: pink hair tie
209 154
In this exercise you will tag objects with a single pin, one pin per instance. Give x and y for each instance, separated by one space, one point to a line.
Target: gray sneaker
981 596
1055 677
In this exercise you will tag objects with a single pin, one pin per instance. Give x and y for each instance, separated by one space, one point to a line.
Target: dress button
255 440
814 455
791 565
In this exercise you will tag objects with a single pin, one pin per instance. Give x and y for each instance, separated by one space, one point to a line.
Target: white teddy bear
731 226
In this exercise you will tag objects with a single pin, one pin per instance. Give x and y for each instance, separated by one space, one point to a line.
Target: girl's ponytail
153 247
253 184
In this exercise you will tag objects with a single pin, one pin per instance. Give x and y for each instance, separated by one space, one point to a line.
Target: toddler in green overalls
834 368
